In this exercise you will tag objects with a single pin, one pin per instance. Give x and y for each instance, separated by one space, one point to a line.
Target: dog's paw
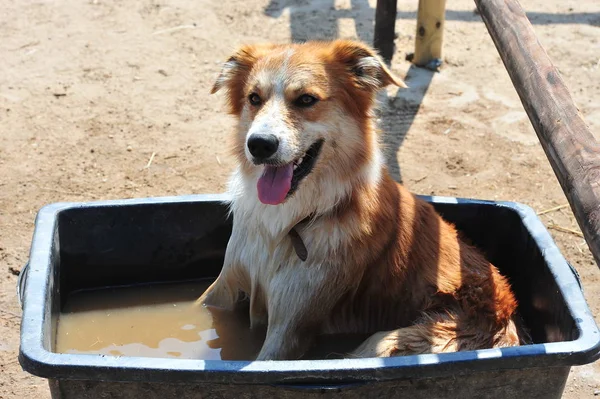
381 344
219 296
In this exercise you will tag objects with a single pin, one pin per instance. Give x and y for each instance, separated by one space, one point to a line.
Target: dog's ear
366 67
239 65
235 72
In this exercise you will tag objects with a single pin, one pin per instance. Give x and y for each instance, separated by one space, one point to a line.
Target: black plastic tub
113 243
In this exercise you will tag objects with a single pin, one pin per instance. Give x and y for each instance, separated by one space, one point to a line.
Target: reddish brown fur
404 267
422 265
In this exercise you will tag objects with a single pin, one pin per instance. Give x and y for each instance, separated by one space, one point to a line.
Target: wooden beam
385 26
569 145
430 33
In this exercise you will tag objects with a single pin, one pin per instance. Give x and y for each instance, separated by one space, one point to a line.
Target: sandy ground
89 90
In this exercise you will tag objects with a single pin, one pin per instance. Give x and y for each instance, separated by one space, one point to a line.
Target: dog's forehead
288 70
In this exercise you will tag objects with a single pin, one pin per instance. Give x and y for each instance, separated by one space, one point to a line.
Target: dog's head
304 112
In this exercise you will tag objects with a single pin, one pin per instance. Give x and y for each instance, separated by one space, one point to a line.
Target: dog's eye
306 100
254 99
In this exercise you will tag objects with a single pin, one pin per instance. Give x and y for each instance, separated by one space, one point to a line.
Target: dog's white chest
257 255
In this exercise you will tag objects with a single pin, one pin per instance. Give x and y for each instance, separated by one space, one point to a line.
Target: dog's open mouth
277 183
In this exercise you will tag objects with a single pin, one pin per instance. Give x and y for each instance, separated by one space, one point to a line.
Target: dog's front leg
300 299
224 292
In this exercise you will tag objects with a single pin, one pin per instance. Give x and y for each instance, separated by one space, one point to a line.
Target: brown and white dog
324 241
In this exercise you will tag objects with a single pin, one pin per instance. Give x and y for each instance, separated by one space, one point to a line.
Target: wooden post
570 147
385 26
430 33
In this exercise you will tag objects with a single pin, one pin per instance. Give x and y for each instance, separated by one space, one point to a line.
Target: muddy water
164 321
153 321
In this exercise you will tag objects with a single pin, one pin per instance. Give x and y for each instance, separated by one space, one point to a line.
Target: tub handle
576 275
21 281
323 387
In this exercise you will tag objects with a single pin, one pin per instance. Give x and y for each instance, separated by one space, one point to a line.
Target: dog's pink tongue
275 183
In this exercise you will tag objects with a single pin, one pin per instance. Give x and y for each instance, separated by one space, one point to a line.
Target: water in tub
164 321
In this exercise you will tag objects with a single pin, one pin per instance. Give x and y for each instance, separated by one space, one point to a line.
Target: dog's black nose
262 146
